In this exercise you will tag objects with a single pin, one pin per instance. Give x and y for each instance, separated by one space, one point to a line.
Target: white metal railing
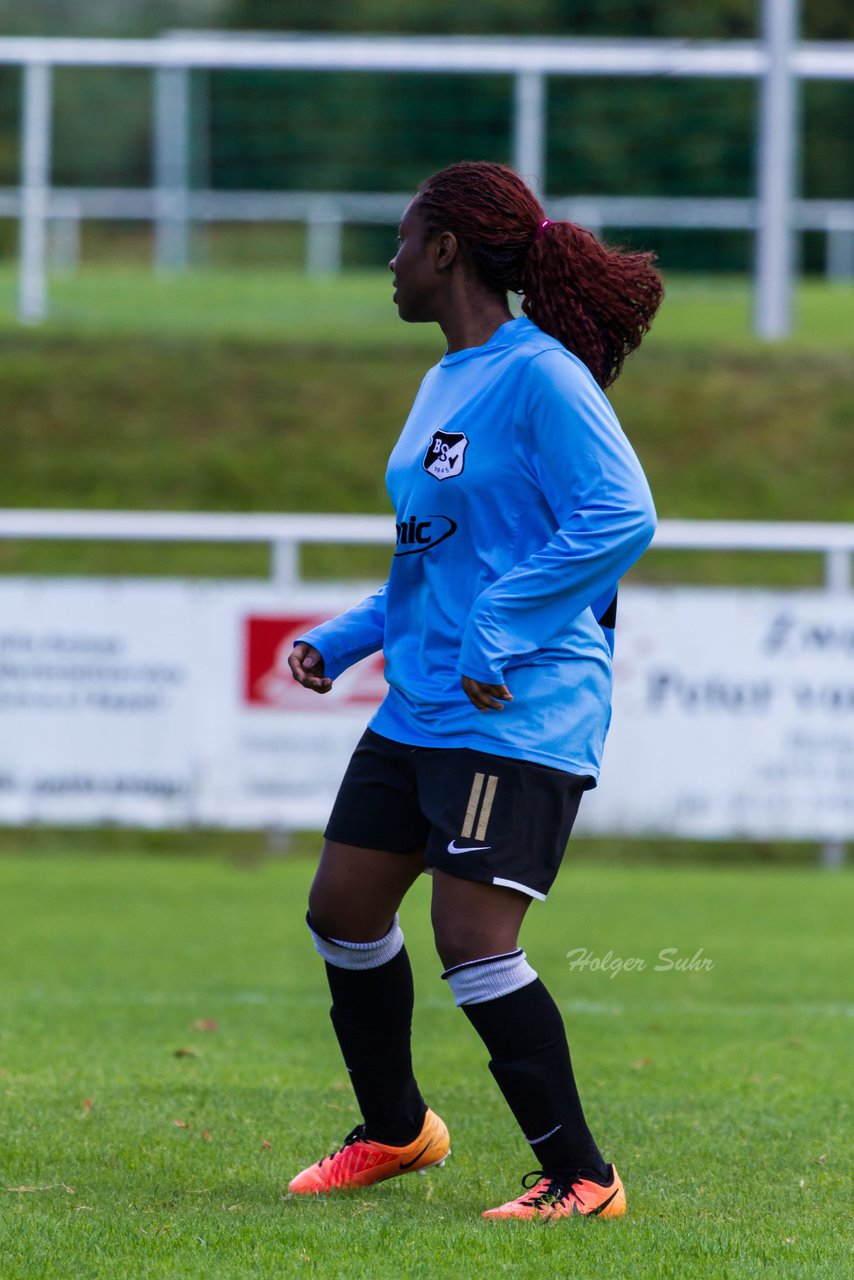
325 213
777 61
506 55
286 534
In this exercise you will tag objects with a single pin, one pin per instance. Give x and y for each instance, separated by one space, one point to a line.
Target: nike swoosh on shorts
468 848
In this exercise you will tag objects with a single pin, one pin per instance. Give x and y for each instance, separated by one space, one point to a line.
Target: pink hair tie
541 228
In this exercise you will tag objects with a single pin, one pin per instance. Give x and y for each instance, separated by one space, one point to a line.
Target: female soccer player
519 505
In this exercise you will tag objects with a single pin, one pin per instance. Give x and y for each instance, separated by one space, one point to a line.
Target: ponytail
598 301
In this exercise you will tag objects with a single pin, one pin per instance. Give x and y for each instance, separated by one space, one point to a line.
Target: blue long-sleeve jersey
519 504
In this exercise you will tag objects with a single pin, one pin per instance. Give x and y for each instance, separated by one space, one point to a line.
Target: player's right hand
306 664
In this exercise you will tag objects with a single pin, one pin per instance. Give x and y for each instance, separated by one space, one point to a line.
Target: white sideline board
166 703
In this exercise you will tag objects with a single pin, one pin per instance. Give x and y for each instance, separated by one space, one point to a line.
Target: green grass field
166 1064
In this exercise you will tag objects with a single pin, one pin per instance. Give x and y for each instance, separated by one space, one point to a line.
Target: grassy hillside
138 414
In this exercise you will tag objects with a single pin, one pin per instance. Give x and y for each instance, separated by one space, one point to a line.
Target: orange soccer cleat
553 1198
359 1161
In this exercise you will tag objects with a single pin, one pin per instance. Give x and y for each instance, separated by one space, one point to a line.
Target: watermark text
668 960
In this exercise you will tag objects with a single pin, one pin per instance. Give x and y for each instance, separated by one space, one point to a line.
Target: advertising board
168 702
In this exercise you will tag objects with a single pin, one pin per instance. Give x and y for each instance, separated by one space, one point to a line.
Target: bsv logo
414 535
445 454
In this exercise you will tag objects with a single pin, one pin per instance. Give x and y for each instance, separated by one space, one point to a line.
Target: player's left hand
486 697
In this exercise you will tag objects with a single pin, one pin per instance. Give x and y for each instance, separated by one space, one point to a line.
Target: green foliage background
281 131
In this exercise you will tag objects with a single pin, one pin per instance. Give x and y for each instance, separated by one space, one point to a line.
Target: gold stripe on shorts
486 807
471 811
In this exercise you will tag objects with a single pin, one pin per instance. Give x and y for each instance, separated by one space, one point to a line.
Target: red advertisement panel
267 680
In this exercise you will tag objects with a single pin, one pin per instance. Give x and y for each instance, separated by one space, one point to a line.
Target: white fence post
837 570
64 244
840 251
775 233
35 192
529 129
172 167
833 855
837 578
285 562
323 239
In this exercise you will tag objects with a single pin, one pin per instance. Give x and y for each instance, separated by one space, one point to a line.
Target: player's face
414 268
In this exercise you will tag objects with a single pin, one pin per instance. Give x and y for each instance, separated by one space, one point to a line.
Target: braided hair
597 300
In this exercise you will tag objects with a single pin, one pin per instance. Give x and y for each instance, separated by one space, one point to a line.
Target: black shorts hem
380 844
501 882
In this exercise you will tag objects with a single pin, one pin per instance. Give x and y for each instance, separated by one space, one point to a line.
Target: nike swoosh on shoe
591 1213
409 1163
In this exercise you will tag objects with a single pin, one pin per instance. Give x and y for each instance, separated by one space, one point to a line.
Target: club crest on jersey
445 454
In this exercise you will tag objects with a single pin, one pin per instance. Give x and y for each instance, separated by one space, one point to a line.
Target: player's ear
446 250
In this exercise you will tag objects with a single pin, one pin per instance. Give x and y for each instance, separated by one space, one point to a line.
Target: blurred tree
722 19
106 17
644 137
676 137
827 20
102 116
820 19
416 17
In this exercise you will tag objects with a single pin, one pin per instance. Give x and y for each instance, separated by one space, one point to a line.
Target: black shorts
475 815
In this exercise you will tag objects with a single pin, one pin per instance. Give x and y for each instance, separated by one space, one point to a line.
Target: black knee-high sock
372 1016
526 1039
